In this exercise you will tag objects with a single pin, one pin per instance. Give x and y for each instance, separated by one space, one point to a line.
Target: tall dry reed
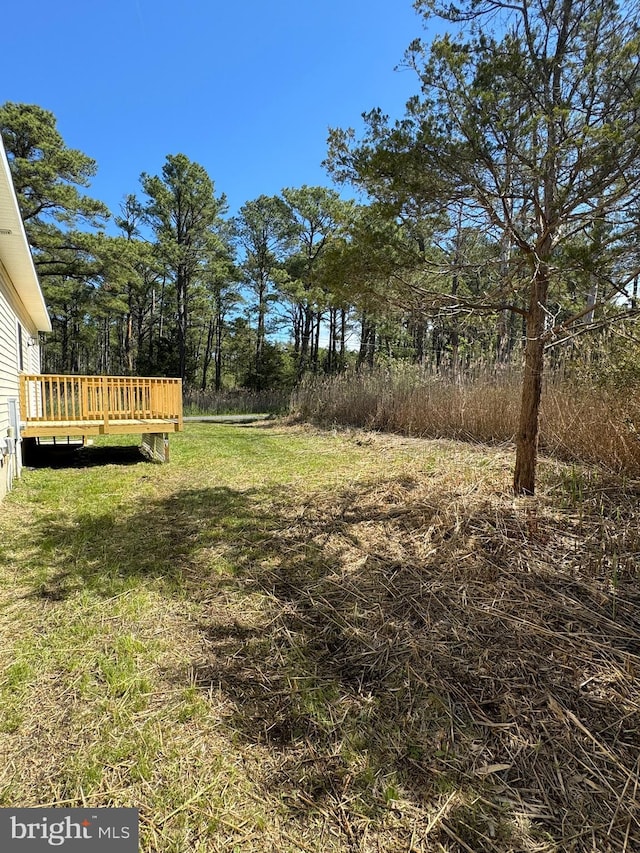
579 422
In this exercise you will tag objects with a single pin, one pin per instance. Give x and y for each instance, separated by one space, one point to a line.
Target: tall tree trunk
524 478
139 336
218 356
161 314
316 341
181 294
64 340
74 366
371 350
436 343
297 330
331 348
365 334
107 345
128 336
343 338
306 340
152 311
418 335
206 359
260 333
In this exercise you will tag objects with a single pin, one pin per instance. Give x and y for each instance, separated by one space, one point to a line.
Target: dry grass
341 642
598 426
475 664
579 422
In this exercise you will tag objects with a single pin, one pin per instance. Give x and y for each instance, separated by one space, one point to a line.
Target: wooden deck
56 405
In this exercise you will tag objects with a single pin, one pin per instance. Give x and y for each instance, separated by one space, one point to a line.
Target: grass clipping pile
450 670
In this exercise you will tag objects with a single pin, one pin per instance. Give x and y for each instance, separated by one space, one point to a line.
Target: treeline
502 221
182 288
292 284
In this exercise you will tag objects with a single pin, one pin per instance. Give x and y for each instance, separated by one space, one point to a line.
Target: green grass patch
329 641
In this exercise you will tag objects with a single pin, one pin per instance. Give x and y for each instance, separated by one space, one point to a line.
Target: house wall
13 314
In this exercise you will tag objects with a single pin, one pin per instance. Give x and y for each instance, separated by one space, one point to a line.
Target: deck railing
57 398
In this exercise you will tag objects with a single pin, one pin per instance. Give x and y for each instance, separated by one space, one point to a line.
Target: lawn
295 640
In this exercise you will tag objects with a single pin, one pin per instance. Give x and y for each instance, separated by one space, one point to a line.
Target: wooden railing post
178 404
22 396
105 401
84 397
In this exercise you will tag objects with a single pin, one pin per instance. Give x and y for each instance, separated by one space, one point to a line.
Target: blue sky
248 88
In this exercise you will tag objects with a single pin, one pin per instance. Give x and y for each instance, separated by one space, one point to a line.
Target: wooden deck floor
123 426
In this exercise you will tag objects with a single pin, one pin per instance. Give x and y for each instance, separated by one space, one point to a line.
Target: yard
295 640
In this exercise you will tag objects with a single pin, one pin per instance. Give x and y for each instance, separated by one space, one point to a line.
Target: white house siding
8 382
12 313
32 358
